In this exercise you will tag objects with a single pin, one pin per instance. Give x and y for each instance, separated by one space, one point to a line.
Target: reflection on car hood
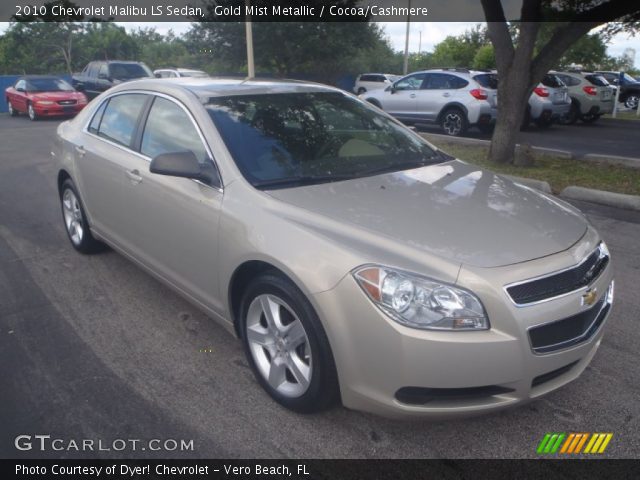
453 210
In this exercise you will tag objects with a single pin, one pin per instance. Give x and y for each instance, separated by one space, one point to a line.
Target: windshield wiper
396 167
301 180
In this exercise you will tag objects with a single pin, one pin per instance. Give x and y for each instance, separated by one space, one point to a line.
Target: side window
412 82
169 129
92 70
366 78
120 118
444 81
94 126
104 71
21 84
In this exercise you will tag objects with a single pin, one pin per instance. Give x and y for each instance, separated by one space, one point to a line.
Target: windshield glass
288 139
628 78
126 71
48 85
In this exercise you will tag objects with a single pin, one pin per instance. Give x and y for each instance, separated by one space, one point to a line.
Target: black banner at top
295 10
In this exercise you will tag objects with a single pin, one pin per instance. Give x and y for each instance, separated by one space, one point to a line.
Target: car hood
453 210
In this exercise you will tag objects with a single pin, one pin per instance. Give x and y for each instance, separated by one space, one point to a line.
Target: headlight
44 102
419 302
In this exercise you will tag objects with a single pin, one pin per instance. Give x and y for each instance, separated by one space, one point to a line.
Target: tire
572 116
453 122
632 101
288 352
12 111
75 221
361 90
33 116
589 118
374 102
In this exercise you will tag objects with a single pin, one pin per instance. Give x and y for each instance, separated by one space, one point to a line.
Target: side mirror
391 88
184 164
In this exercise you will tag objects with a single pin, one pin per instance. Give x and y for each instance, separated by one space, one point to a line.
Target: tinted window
569 80
277 139
125 71
94 126
597 80
367 78
487 80
169 130
444 81
92 71
48 85
120 118
104 71
412 82
552 81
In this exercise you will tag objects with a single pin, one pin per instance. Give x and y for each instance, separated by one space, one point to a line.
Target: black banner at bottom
320 469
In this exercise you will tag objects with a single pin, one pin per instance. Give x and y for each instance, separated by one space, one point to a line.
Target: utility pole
249 34
405 67
420 42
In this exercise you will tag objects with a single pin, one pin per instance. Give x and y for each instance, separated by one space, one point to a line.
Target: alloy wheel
279 345
32 112
632 102
452 123
72 216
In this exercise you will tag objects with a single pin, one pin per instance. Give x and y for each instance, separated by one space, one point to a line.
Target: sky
423 35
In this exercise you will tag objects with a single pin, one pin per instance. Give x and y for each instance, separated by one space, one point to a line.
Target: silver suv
591 96
451 98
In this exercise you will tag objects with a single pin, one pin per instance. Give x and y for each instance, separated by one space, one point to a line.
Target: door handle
134 176
446 94
80 151
413 95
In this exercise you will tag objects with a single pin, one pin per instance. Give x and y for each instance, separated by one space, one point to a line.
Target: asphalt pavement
91 347
607 136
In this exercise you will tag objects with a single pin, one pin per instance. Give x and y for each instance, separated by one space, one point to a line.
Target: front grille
67 102
569 331
563 282
423 395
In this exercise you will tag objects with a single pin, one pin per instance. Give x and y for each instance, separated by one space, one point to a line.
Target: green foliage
485 58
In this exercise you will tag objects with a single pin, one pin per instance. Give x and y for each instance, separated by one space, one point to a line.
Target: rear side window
120 118
552 81
487 80
170 130
94 126
569 80
597 80
368 78
444 81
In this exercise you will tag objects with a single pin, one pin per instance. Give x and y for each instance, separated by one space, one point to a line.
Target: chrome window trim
556 272
575 341
85 130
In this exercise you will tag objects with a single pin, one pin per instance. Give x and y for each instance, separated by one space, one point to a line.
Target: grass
559 172
626 115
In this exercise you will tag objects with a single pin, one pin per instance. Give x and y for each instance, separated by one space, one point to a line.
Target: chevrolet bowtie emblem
589 297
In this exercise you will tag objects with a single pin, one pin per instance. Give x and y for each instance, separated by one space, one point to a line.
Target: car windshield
289 139
125 71
628 78
48 85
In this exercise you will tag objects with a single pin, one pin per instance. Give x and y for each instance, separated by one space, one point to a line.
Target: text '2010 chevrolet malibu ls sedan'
355 261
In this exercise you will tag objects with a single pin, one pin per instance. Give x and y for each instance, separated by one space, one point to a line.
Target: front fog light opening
419 302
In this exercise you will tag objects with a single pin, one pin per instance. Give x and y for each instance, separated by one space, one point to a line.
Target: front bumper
56 110
391 370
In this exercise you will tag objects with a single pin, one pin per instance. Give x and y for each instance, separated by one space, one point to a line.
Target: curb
486 143
617 200
612 160
530 182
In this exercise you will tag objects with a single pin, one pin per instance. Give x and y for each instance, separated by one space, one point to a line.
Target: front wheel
454 122
33 116
361 90
12 111
286 345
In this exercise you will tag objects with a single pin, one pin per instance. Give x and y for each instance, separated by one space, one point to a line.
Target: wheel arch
63 176
451 106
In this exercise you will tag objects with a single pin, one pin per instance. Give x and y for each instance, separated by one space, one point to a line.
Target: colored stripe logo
573 443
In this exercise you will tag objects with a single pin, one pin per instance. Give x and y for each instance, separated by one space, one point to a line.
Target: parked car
451 98
591 96
629 87
352 258
100 76
373 81
43 96
179 72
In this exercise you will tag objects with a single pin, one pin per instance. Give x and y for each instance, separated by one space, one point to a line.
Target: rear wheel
454 122
573 115
75 220
632 101
12 111
361 90
33 116
286 345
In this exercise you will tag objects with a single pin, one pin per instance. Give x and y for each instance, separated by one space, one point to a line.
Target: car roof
205 88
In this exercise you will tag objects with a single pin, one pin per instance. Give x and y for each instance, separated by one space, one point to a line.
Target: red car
40 96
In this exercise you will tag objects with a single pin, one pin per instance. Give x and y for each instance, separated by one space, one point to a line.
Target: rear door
176 232
104 160
438 90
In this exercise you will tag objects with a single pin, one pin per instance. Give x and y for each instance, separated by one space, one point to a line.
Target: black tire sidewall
322 392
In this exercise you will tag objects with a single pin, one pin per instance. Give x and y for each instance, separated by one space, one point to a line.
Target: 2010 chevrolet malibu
355 261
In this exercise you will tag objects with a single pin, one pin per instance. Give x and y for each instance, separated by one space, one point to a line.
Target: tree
521 65
485 58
